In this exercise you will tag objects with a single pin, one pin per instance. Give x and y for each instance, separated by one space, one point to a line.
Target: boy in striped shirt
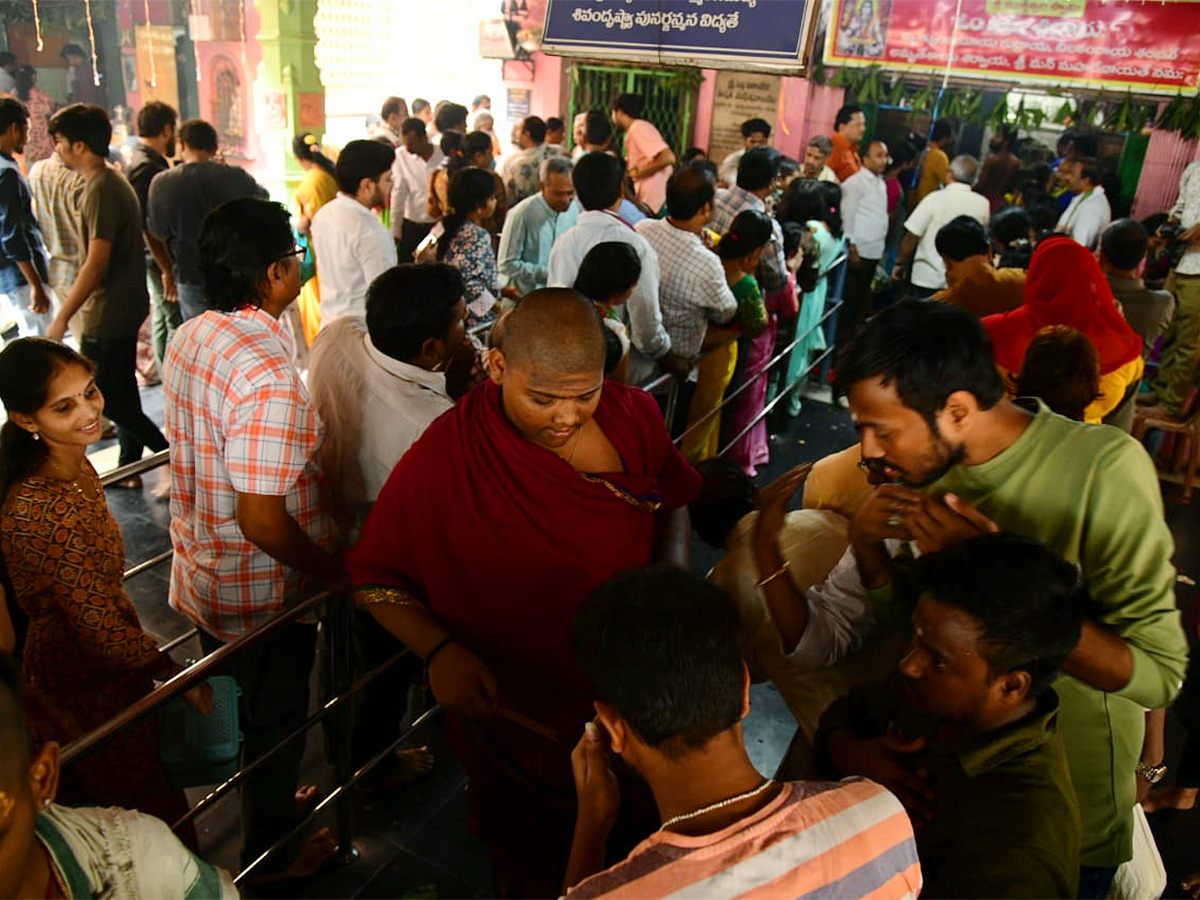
660 648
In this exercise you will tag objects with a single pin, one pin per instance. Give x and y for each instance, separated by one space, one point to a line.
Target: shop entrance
670 96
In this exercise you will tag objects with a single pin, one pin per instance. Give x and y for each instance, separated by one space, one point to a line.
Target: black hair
476 142
554 123
757 168
1062 369
452 142
661 646
12 112
1010 224
793 237
306 146
154 117
597 129
803 201
15 740
609 268
419 104
787 167
26 78
7 58
239 241
942 130
752 126
926 351
412 125
1083 145
409 304
1124 243
27 366
960 238
199 135
688 190
727 495
359 160
597 179
535 127
708 167
833 206
1089 168
450 117
392 107
1156 221
630 104
71 50
84 122
749 230
469 189
1026 599
845 114
691 154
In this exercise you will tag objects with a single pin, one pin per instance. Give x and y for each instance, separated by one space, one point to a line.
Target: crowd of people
423 391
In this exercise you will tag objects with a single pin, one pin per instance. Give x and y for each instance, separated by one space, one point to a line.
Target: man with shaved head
542 483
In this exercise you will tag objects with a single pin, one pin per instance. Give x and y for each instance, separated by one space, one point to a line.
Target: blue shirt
530 229
20 236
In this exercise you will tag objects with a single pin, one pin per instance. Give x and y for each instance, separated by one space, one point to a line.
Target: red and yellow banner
1147 47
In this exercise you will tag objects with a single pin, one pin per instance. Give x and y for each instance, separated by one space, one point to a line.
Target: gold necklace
578 441
713 807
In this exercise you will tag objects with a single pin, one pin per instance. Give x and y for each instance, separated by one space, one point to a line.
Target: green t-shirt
1090 493
117 308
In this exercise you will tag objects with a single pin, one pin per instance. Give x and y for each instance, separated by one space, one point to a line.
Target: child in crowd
1061 368
607 277
466 244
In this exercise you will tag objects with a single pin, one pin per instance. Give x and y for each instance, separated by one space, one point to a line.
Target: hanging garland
150 43
37 26
87 6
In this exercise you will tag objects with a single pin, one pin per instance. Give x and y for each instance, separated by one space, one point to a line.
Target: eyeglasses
295 251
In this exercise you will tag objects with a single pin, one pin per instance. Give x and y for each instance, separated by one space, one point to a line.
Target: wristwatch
1153 774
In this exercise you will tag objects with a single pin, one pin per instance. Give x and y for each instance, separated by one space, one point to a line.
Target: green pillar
289 96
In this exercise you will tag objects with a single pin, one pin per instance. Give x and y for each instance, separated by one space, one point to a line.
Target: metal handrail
184 681
137 467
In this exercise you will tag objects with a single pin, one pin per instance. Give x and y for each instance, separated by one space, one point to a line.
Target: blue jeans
192 300
29 323
1095 881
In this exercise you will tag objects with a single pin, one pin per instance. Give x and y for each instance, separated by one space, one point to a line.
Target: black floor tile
409 875
447 841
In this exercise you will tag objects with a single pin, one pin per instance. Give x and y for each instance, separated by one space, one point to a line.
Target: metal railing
337 617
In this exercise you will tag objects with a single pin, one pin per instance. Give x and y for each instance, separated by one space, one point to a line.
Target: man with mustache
963 461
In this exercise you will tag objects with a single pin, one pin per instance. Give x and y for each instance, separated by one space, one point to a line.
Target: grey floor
414 841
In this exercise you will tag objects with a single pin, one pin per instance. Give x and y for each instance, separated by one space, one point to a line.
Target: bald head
555 331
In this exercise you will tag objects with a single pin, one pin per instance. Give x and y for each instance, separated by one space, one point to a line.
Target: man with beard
962 461
967 732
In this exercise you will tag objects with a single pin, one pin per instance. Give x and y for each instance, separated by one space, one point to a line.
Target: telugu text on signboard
1144 47
740 96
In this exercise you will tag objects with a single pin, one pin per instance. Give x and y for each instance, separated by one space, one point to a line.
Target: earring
36 436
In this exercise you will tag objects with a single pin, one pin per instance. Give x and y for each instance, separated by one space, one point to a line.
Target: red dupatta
1065 286
504 540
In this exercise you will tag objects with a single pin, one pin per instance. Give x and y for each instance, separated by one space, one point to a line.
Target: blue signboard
720 33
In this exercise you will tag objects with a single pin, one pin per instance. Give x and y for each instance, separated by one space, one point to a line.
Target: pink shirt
642 144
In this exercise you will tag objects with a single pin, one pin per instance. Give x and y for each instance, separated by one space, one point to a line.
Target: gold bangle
390 596
762 583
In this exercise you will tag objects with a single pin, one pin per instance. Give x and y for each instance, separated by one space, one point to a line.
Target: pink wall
805 109
1166 158
206 53
547 99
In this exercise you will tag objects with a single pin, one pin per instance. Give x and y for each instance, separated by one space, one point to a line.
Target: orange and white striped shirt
816 839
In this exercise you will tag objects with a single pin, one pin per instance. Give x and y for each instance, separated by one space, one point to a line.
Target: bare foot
1191 884
315 852
404 766
1171 798
132 483
162 491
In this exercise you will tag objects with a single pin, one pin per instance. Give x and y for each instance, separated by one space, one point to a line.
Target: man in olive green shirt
110 290
930 410
972 710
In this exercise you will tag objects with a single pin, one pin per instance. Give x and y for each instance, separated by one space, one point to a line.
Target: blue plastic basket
201 750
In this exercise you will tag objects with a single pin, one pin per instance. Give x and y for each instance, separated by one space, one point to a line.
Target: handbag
1144 877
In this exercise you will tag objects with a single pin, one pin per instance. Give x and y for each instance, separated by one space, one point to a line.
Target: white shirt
375 407
827 174
865 213
650 338
934 211
1187 211
352 248
1087 217
729 167
410 187
692 289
